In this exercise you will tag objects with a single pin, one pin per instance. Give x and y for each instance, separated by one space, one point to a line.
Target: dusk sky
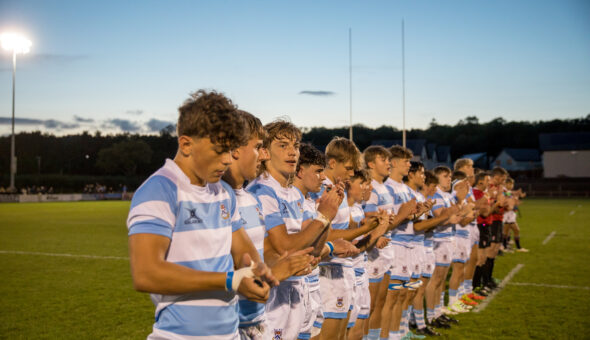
127 65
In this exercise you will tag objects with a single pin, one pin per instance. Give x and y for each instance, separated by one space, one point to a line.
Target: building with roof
565 154
513 159
480 160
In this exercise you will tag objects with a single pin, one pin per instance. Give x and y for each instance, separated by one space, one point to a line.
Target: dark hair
430 178
510 180
211 114
480 177
398 151
458 175
309 155
363 174
440 169
371 153
477 171
254 124
415 166
498 171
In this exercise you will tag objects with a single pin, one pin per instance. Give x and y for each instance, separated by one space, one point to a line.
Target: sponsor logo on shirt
193 218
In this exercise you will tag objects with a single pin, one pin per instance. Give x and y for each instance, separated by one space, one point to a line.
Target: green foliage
124 157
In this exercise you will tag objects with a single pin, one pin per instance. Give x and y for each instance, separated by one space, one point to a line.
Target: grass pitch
49 291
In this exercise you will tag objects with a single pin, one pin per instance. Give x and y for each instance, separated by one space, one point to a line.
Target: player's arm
152 273
431 222
403 213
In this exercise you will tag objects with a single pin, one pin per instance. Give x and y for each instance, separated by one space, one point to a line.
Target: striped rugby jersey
252 220
199 222
358 262
418 235
380 199
280 205
403 233
460 231
442 200
341 221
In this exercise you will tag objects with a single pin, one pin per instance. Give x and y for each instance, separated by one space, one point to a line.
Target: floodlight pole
403 86
12 187
350 78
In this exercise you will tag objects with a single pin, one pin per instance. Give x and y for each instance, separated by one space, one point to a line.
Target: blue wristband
229 279
331 246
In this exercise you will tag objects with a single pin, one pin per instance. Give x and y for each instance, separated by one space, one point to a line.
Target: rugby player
186 244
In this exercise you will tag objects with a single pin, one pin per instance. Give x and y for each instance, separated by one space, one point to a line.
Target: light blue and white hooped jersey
280 205
418 238
252 220
199 222
341 221
380 198
358 262
442 200
310 213
460 231
403 233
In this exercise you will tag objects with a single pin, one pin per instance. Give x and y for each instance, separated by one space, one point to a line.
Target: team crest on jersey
277 334
404 269
285 209
224 212
300 207
192 218
416 268
445 257
428 266
340 302
375 271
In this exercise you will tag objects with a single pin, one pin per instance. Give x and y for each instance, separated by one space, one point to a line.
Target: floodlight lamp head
15 43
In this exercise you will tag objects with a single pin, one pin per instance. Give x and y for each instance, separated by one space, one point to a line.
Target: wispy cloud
134 112
50 124
155 125
20 121
317 93
123 124
79 119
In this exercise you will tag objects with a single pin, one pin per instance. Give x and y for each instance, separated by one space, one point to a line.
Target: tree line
135 155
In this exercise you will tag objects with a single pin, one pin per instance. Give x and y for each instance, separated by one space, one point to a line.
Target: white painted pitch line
549 237
63 255
504 282
548 285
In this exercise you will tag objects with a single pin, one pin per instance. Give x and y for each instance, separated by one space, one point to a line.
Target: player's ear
235 154
331 163
185 145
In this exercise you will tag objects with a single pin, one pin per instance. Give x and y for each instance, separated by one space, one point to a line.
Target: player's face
341 170
401 166
284 153
429 189
381 166
509 185
209 161
444 181
367 191
312 177
467 169
356 190
251 158
417 178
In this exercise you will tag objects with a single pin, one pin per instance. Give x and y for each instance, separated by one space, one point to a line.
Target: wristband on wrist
229 277
331 246
325 221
